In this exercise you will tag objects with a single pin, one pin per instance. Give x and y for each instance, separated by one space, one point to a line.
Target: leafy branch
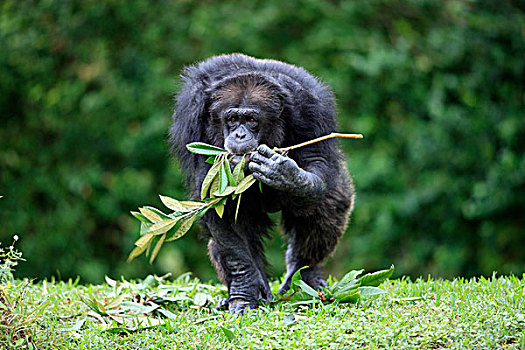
350 289
219 184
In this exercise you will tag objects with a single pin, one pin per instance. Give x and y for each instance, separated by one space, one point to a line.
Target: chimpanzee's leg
235 250
313 234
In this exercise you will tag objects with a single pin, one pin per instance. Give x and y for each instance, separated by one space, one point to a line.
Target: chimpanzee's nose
240 135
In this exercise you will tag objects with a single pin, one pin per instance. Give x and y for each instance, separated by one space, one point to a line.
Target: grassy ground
476 314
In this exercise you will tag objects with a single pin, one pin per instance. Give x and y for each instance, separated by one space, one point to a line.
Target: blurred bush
436 87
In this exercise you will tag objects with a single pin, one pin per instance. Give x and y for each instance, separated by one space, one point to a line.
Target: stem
322 138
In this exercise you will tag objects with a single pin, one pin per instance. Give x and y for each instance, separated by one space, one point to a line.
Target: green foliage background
437 87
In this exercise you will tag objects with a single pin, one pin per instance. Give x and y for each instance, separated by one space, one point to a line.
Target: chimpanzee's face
241 128
248 114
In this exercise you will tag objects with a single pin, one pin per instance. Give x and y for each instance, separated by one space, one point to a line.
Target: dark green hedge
437 87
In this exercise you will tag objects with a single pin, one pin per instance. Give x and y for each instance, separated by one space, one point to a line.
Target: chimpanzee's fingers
261 159
259 168
263 178
265 151
254 166
257 158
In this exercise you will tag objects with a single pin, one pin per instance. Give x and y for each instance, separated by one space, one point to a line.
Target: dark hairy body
250 105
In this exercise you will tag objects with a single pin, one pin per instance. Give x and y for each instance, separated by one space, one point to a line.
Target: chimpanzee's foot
235 305
245 295
238 306
222 304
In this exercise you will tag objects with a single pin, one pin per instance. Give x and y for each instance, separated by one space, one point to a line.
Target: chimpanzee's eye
251 120
233 119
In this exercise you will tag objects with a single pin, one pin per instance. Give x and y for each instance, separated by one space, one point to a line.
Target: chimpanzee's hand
283 173
237 159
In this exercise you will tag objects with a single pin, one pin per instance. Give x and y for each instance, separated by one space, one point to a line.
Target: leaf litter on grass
147 304
132 306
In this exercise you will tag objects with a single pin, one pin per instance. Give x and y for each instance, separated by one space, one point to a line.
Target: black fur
315 193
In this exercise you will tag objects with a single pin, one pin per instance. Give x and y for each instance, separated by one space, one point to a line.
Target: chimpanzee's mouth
241 148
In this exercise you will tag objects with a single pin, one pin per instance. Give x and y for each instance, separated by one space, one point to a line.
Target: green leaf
228 333
139 216
183 228
220 209
367 291
212 201
150 215
376 278
223 177
200 299
144 228
351 296
210 160
229 190
167 313
115 302
110 282
191 204
141 245
94 305
157 248
163 226
159 212
237 207
245 184
307 289
347 288
135 252
346 280
229 175
173 204
208 179
148 247
137 308
204 149
294 284
214 188
302 298
238 171
143 241
203 211
289 319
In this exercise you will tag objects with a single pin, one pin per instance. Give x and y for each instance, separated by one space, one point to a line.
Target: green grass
477 313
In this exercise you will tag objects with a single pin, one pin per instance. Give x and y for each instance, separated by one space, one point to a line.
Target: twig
322 138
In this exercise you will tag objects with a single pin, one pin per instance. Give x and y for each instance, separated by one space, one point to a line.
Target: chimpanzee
244 104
